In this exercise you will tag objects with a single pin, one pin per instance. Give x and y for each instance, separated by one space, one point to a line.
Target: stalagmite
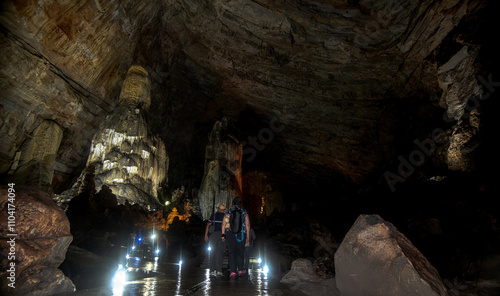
222 180
34 160
127 158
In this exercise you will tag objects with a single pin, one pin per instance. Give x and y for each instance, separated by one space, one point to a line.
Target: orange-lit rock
175 213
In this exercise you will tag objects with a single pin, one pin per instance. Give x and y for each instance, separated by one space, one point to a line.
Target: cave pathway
176 279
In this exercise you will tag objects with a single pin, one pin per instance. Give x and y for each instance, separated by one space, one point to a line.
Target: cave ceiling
344 86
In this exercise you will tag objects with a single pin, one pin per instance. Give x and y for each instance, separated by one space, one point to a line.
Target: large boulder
376 259
303 277
488 281
87 269
40 238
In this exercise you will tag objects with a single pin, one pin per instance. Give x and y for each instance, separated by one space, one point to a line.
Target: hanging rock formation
222 179
356 78
65 62
127 158
376 259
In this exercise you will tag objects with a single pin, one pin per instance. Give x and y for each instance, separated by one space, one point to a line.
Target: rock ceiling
327 88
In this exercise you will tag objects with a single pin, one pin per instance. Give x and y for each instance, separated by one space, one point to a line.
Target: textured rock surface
352 84
332 67
358 81
303 277
127 157
87 269
43 236
222 180
43 280
33 164
376 259
65 62
489 278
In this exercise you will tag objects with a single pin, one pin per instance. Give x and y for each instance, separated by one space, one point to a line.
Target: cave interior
312 111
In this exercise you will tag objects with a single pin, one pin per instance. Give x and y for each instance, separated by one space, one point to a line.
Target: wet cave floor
169 278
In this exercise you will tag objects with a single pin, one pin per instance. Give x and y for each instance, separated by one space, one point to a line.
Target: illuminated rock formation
127 158
222 180
175 213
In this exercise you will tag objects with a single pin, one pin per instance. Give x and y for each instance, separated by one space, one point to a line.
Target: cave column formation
126 156
33 162
222 180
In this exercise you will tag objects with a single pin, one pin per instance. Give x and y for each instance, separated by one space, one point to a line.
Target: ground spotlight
209 248
119 280
265 269
180 262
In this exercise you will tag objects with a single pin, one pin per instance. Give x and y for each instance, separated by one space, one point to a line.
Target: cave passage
156 275
361 137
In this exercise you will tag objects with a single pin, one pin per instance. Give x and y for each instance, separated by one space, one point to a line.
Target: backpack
235 221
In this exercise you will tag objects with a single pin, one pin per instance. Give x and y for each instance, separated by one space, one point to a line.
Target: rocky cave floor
454 227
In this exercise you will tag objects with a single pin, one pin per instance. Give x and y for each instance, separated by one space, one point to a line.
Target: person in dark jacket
236 241
217 245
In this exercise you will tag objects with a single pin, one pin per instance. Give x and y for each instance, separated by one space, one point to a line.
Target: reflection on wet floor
153 278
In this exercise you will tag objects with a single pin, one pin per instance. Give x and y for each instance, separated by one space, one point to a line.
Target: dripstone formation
126 156
222 179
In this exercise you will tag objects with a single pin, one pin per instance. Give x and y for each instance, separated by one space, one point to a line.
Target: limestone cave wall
355 82
328 108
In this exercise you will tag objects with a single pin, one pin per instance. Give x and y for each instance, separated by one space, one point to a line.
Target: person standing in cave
236 235
216 243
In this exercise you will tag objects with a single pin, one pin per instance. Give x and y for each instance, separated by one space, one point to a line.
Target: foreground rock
87 269
488 282
376 259
42 238
303 277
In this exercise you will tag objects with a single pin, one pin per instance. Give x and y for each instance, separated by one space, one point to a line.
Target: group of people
231 229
